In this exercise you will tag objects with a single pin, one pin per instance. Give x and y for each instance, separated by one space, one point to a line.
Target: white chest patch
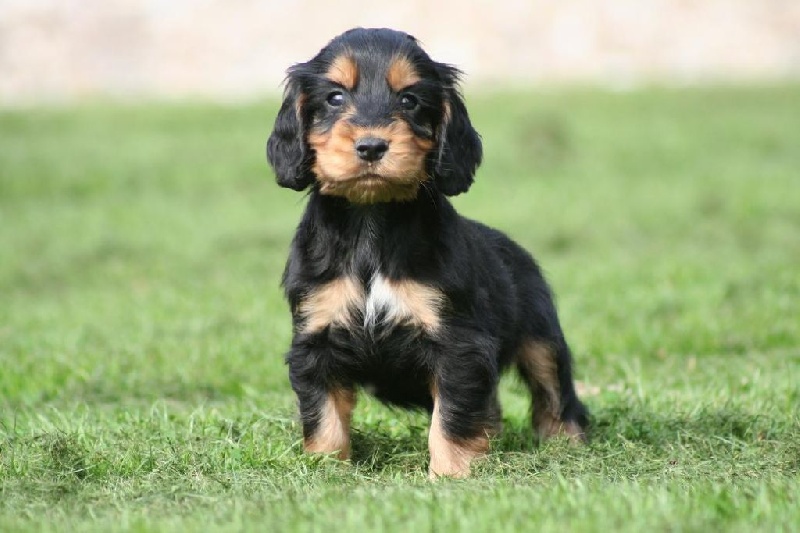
393 303
383 303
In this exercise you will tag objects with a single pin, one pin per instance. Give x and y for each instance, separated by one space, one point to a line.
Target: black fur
495 296
460 150
287 150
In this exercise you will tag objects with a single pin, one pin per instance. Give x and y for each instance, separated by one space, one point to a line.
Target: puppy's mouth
370 177
366 178
371 187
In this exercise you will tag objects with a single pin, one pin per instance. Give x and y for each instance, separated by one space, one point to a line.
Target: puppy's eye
335 99
408 102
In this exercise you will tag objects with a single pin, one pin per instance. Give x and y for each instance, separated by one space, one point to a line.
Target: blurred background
57 50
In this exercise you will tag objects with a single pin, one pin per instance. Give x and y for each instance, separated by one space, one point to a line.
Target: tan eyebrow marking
343 71
401 74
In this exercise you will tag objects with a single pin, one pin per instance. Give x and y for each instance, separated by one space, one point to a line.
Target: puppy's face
372 127
372 118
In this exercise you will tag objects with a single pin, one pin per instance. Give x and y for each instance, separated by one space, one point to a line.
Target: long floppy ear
460 150
287 150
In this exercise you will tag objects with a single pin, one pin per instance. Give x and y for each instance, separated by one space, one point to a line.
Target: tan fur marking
298 107
451 457
397 176
343 71
333 432
448 112
401 74
331 304
539 364
419 304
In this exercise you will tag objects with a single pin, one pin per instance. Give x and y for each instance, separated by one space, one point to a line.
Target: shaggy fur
391 290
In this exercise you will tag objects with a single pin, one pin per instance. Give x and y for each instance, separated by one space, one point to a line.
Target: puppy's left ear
460 149
287 150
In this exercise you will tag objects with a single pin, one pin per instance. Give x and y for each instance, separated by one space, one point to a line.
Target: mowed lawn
142 326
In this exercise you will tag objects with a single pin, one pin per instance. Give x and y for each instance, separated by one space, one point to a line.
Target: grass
142 328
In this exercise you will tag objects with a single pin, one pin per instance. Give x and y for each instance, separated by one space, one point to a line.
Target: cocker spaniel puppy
391 290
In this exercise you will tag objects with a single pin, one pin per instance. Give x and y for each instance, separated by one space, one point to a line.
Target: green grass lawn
142 327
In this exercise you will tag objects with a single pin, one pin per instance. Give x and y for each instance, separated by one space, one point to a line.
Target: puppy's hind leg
545 367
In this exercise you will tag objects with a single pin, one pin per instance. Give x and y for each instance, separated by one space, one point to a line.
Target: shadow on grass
644 425
377 448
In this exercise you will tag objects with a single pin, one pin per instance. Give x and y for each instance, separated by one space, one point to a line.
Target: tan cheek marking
451 457
401 74
333 432
343 71
401 134
334 303
335 157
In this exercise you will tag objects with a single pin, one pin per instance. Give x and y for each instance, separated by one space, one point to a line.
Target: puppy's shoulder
490 240
486 234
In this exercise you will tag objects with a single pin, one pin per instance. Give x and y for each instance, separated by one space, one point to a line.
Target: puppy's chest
380 305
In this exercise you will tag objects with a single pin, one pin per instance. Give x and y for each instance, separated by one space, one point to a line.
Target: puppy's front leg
325 411
465 415
329 427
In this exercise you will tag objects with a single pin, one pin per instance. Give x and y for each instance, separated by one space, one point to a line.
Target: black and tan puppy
390 289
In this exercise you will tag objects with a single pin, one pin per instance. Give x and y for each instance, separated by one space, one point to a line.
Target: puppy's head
372 118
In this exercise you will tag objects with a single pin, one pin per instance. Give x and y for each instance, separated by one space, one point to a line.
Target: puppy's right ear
287 150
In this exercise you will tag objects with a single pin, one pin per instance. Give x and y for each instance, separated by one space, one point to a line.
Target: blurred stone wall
60 50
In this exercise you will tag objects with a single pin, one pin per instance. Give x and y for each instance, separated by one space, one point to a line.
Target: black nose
371 148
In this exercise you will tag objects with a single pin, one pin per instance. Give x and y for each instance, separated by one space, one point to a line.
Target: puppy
390 289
